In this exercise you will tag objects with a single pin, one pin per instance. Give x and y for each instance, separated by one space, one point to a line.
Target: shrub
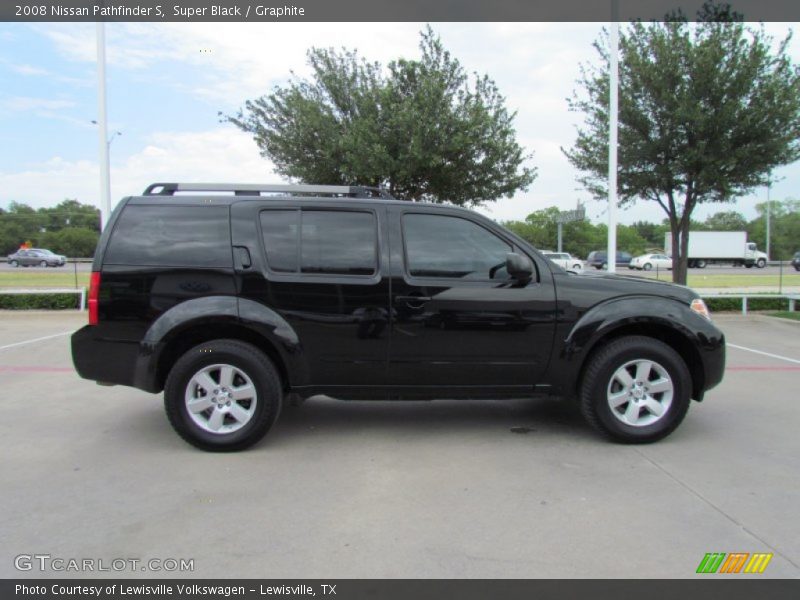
38 301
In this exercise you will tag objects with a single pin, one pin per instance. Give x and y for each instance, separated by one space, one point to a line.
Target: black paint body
386 335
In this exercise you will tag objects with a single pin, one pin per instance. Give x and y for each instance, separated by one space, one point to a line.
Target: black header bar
375 10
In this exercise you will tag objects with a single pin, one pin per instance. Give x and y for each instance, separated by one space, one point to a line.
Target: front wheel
761 263
635 390
647 266
14 264
604 266
43 264
223 395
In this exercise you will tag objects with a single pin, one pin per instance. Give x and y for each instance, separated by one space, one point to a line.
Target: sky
168 82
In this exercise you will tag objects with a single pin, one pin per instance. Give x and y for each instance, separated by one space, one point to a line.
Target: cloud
26 103
222 154
29 70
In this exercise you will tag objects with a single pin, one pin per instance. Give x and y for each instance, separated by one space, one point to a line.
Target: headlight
700 308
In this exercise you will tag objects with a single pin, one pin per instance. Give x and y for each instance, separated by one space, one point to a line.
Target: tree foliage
422 128
706 111
69 228
581 237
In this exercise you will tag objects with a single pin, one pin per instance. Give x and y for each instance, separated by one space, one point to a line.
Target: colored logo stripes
735 562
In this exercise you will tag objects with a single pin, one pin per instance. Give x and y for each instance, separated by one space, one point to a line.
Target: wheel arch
217 317
656 317
205 331
666 333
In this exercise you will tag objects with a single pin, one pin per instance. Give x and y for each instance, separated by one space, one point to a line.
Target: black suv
599 259
231 298
796 261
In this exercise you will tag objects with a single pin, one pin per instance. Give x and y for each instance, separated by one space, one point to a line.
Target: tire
243 425
647 266
761 263
749 265
701 264
14 264
601 383
43 264
604 266
797 268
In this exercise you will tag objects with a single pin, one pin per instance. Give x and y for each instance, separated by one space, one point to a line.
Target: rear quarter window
185 236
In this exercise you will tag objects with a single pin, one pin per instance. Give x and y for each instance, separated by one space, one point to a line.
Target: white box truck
706 247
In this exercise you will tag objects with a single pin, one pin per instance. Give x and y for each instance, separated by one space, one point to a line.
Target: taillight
94 295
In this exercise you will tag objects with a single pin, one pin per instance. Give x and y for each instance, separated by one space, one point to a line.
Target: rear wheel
43 264
14 263
223 395
701 264
604 266
635 390
647 266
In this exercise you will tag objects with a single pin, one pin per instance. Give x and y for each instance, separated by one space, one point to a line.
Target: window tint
442 246
195 236
333 242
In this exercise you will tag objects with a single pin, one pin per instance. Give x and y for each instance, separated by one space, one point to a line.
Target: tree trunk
680 274
678 267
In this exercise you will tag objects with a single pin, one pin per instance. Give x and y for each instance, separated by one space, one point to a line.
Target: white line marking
47 337
779 357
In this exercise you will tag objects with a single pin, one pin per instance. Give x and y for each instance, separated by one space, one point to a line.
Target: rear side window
320 241
186 236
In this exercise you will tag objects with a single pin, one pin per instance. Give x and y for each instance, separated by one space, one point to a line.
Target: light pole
102 126
770 181
613 82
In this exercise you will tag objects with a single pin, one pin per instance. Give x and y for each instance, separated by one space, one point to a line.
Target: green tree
422 128
784 228
726 221
705 112
72 241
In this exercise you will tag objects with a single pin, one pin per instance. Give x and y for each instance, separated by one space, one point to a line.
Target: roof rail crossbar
251 189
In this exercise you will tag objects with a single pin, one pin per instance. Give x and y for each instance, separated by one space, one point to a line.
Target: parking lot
423 489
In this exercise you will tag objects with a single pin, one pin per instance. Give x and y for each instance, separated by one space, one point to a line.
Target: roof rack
253 189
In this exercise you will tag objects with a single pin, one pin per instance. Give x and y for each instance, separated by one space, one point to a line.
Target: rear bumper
111 361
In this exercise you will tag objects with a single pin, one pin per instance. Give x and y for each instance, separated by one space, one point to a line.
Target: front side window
320 241
452 247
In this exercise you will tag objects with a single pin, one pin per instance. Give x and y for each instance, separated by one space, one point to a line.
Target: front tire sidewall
605 363
242 356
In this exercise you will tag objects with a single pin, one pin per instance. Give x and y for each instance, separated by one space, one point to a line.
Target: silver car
36 257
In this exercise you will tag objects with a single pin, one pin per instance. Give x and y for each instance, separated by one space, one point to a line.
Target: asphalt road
423 489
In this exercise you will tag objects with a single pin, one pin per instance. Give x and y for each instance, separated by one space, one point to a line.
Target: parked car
796 261
647 262
564 260
232 302
38 257
598 259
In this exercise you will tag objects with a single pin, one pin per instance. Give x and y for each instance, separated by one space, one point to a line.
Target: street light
770 181
111 139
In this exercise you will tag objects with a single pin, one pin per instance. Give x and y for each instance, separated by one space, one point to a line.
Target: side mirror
519 267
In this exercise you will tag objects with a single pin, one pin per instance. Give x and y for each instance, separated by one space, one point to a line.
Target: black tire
749 265
647 266
245 358
597 380
604 266
761 263
14 264
701 264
